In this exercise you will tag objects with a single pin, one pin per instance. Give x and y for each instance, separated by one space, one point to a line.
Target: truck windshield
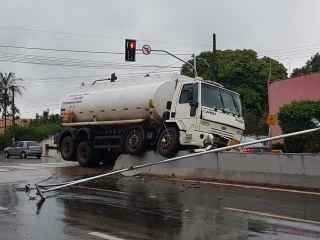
229 102
237 101
211 97
214 97
189 93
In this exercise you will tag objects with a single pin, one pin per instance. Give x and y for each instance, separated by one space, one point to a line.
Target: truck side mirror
193 108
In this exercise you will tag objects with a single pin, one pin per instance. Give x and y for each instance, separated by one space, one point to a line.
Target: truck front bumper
195 138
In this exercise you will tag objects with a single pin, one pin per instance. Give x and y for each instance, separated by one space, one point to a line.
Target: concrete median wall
50 152
292 170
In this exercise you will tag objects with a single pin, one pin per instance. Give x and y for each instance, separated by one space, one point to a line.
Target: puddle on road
150 208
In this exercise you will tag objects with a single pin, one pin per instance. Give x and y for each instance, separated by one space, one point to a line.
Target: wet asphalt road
145 208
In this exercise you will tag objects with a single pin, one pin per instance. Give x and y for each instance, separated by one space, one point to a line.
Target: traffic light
130 53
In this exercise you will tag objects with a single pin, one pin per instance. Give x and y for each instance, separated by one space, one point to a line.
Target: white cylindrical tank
121 100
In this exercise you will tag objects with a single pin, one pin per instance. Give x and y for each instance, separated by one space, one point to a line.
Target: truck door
187 105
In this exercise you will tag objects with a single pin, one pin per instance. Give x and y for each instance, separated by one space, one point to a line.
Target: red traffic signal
132 45
130 50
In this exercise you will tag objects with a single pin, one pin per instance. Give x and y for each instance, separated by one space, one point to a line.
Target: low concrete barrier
291 170
50 151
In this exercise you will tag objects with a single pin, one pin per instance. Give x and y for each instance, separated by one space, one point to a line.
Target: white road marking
3 208
263 214
35 166
49 165
21 168
18 167
273 189
104 236
44 164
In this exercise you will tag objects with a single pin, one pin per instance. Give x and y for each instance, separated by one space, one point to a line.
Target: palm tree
8 90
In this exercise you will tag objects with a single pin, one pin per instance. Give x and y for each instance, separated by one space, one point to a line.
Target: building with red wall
284 92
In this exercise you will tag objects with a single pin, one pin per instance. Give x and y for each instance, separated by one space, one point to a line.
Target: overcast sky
285 29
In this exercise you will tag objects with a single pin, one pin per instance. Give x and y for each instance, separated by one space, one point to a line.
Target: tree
46 118
311 66
245 73
296 117
7 88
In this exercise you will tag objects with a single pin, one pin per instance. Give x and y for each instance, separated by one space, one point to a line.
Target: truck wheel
134 141
84 154
168 142
67 148
7 155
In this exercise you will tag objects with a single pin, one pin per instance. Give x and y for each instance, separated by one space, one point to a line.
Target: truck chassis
92 145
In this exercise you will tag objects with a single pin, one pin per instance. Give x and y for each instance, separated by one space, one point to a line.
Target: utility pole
13 110
195 65
214 52
5 107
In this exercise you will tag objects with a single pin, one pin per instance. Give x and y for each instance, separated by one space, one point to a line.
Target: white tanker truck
165 113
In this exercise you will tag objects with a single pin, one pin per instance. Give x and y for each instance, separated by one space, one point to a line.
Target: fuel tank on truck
124 99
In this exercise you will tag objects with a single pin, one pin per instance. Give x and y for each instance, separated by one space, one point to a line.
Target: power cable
61 50
294 49
69 61
92 36
79 79
80 65
77 51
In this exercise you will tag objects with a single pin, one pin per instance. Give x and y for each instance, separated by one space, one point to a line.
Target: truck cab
206 113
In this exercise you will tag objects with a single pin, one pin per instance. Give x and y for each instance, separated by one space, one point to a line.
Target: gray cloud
181 26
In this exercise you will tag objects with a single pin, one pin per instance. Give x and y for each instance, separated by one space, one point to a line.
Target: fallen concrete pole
166 161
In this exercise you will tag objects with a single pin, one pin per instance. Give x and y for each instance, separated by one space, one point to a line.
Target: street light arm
172 55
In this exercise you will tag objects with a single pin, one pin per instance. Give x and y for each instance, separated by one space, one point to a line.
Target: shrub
295 117
35 132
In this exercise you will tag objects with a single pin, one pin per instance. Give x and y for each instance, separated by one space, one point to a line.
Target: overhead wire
273 52
87 79
89 63
78 51
94 36
290 50
72 62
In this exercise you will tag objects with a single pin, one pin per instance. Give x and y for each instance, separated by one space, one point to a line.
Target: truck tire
85 154
134 141
168 142
67 148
